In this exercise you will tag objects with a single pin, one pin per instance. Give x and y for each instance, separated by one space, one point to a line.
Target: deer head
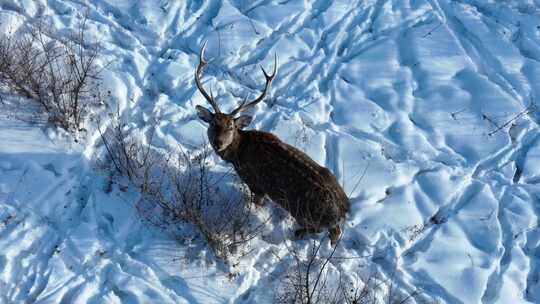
224 127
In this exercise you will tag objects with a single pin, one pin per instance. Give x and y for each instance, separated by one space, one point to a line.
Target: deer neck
230 154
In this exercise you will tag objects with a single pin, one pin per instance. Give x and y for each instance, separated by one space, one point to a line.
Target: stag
270 167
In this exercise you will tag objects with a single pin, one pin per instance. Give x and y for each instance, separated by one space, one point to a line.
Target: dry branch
61 74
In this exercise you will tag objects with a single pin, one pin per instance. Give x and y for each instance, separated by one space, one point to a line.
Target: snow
401 100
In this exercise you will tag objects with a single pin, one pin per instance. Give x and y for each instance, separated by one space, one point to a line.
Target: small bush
310 279
306 281
60 73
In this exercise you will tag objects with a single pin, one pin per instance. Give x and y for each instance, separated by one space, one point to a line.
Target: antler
243 106
198 72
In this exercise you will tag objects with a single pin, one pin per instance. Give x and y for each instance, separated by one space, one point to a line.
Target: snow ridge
414 105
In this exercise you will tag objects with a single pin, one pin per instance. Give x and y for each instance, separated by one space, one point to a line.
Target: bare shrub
378 291
60 73
310 280
179 188
306 282
129 156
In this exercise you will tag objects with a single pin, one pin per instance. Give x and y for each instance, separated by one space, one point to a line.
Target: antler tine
198 72
269 78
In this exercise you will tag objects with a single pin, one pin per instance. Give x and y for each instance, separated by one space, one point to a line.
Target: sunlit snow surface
410 92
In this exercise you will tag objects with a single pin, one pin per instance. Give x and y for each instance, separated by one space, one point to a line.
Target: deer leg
301 232
334 233
258 199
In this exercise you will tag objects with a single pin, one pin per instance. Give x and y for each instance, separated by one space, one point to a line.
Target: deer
272 168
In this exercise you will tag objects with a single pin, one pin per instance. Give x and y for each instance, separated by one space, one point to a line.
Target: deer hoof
259 201
334 234
300 233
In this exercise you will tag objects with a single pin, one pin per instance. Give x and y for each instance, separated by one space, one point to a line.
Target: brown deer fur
308 191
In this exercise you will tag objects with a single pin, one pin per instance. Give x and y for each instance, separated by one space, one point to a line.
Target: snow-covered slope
421 108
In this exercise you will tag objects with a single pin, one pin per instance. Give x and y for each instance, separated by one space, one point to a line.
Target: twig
327 260
454 114
484 116
432 30
360 179
105 142
531 108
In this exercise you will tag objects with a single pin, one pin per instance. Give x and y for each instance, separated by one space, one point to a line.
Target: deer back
290 177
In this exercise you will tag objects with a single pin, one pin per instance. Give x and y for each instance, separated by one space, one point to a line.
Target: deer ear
204 114
243 121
